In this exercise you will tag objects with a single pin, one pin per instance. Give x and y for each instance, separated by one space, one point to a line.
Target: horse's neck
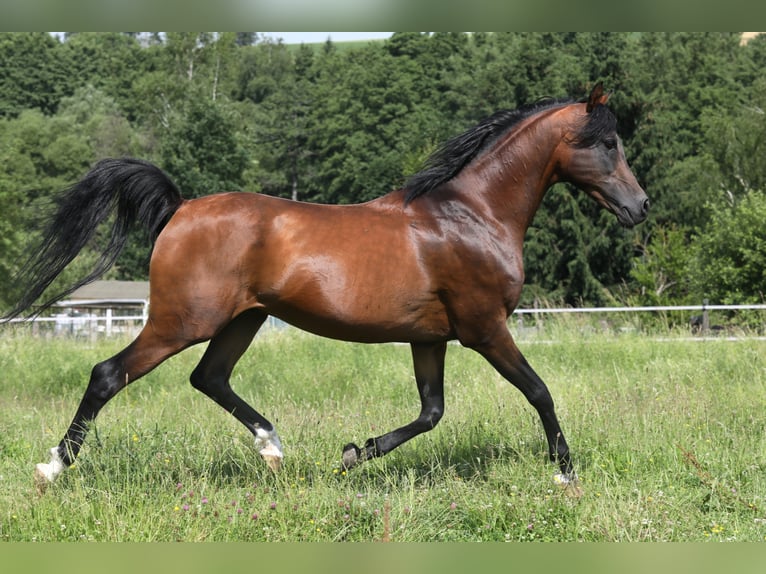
512 178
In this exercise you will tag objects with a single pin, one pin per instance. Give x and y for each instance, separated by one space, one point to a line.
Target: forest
345 123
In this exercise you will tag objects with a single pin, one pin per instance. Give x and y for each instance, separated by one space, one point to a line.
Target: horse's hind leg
429 375
212 378
106 380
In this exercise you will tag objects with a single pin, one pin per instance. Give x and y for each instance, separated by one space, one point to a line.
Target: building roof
105 293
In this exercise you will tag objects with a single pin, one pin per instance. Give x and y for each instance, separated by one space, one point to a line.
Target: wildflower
185 507
204 500
254 516
273 506
453 506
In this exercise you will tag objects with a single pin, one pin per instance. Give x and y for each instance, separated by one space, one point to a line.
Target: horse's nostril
645 206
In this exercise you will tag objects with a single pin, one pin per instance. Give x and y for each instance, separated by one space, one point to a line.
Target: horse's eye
610 143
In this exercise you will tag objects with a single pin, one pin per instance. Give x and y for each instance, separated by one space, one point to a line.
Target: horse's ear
597 96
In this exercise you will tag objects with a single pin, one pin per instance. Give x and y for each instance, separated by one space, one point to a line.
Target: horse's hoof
47 472
569 483
352 456
42 482
274 462
269 447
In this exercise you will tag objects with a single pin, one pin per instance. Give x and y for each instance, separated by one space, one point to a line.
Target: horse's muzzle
630 217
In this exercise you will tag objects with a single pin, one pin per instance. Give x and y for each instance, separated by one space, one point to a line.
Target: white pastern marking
267 443
52 469
565 479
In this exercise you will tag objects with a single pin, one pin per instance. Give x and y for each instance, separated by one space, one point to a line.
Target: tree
736 142
574 251
680 78
17 168
278 87
111 62
202 150
729 264
33 73
42 155
368 115
730 257
662 272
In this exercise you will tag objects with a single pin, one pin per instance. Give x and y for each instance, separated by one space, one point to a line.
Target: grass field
668 437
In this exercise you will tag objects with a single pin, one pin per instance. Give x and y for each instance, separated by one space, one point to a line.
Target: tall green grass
668 438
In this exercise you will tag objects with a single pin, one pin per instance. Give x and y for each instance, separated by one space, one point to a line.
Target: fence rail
109 323
701 308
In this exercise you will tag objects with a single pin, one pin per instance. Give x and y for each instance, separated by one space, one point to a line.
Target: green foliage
202 151
730 256
737 144
679 78
33 73
662 271
223 111
573 249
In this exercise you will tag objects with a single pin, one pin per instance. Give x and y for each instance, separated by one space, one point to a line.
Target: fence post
705 317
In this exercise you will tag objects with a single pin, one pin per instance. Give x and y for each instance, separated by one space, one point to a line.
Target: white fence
92 324
699 320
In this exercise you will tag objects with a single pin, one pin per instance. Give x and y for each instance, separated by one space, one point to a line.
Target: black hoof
352 455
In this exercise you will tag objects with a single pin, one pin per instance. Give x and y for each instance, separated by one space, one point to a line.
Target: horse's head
594 161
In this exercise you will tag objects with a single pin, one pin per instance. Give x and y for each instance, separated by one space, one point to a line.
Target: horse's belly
367 324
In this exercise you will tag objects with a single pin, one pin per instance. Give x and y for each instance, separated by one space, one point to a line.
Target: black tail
141 193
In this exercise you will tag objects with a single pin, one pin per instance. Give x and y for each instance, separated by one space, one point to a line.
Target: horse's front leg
503 354
428 360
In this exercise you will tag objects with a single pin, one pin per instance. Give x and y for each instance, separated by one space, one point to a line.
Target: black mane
456 153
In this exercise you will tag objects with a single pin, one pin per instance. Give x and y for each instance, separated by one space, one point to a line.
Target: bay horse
438 260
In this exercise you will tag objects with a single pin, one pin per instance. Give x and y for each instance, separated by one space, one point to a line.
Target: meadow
668 436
